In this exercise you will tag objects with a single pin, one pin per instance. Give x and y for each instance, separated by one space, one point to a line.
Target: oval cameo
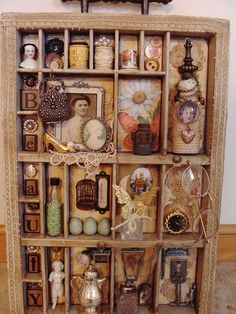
94 134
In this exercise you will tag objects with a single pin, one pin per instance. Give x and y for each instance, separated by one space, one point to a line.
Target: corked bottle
54 209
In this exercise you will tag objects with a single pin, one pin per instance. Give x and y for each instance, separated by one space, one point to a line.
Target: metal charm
30 125
31 171
178 274
90 293
30 81
188 135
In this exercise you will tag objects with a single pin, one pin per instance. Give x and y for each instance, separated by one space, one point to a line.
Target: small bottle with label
54 209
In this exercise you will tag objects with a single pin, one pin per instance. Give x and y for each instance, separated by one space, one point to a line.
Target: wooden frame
217 33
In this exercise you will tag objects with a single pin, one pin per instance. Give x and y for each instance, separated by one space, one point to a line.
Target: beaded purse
53 105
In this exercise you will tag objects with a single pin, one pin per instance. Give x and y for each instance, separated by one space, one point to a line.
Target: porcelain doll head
57 265
29 54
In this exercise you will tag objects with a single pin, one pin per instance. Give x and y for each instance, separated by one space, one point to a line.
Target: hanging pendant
188 135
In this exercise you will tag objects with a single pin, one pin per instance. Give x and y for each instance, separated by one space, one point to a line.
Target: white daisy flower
137 97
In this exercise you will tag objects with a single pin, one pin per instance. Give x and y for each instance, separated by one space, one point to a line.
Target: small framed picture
188 112
95 134
85 102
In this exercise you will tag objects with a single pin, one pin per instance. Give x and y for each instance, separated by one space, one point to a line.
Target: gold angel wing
147 197
124 198
141 209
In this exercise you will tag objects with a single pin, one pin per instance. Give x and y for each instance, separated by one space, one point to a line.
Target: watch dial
177 223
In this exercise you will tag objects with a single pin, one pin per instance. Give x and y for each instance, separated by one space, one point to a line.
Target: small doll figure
56 277
29 55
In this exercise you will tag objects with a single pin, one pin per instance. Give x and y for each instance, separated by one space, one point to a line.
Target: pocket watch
176 222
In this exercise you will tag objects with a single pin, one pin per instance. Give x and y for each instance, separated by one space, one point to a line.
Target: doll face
57 266
29 52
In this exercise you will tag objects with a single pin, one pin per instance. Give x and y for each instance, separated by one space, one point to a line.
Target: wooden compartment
125 94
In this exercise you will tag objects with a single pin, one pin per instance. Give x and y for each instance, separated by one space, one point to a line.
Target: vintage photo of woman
71 128
188 112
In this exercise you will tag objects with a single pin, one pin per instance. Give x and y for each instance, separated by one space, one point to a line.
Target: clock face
176 222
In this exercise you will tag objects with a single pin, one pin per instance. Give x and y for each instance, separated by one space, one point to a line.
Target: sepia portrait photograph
84 103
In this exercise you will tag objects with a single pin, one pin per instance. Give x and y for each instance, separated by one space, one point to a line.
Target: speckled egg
90 226
75 226
104 227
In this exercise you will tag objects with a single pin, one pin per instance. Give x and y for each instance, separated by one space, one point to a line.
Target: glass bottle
54 209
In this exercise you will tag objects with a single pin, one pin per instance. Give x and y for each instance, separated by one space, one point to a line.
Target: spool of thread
78 55
104 57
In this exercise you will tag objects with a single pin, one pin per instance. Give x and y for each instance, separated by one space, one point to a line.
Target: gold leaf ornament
147 197
130 207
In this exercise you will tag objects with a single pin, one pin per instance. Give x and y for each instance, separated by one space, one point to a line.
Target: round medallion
176 222
141 180
94 134
30 171
188 112
30 125
30 81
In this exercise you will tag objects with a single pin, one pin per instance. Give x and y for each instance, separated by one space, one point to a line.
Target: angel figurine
133 212
56 277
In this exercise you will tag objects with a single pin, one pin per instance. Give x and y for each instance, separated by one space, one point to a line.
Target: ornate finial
187 69
144 3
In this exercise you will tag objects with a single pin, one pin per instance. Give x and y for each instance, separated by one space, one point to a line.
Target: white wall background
210 8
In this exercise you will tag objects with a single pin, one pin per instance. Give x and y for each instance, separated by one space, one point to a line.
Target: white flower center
139 97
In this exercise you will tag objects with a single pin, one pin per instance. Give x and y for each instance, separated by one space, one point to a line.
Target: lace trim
85 160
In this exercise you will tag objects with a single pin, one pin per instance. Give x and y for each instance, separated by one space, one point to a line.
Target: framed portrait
85 102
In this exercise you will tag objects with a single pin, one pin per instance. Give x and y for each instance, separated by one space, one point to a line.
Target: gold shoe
51 143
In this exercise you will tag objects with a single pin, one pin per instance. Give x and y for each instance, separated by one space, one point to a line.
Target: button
151 64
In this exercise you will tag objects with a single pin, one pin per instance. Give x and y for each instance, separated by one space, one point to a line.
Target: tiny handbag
53 105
